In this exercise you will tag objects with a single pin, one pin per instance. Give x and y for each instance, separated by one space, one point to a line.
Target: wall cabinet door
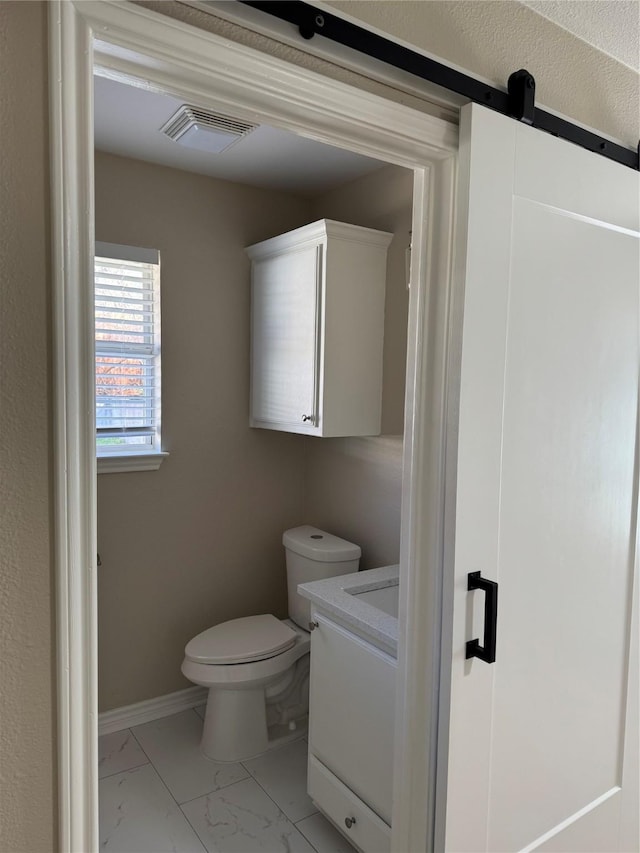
317 329
284 382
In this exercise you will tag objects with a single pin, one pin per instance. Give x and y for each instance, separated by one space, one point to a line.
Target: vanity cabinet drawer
365 830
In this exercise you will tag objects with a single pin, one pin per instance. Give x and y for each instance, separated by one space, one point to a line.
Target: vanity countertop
342 597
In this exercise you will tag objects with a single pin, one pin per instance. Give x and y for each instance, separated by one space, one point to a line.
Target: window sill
130 462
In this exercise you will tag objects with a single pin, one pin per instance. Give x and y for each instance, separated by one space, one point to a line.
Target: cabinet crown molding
315 232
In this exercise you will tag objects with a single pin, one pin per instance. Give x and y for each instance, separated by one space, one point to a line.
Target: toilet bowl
256 668
236 724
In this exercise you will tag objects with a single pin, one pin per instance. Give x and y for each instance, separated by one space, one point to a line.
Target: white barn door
543 742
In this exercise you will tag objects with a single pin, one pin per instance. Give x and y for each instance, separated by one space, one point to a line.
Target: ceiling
612 26
127 121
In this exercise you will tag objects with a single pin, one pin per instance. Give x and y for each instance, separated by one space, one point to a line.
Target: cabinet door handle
306 418
486 652
313 625
349 822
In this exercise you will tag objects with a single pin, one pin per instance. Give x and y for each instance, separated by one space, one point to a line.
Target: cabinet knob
349 822
313 625
306 418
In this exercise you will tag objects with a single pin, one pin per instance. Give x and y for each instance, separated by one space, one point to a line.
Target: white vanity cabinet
351 722
317 327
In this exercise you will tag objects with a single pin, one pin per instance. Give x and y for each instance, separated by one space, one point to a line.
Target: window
127 329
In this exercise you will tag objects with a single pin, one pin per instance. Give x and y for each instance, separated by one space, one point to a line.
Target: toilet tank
314 555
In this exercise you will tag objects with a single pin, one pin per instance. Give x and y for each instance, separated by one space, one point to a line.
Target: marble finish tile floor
158 793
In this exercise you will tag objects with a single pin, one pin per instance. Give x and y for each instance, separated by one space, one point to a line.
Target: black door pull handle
486 652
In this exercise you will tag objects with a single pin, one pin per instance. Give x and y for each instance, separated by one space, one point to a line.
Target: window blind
127 343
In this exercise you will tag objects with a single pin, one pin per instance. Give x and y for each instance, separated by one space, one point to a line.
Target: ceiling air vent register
205 131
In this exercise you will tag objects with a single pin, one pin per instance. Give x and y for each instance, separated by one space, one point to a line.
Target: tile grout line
215 791
159 775
126 770
262 788
180 805
250 776
164 784
302 833
313 814
139 745
225 788
198 836
282 811
142 749
206 793
292 822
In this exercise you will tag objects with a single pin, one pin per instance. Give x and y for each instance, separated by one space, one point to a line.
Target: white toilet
257 667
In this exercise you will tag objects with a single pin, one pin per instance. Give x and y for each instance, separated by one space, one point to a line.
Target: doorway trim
130 43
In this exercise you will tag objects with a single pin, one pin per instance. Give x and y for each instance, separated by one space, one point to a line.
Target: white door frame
128 42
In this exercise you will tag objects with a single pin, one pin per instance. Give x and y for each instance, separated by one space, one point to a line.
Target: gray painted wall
198 541
353 485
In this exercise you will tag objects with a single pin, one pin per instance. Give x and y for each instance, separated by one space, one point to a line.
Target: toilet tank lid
319 545
243 640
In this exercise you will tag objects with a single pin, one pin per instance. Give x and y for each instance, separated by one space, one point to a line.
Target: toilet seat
249 674
251 638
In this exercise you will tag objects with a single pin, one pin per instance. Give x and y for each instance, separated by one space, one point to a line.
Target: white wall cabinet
317 329
351 726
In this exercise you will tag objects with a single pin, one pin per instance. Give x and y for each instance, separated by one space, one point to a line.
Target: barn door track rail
518 102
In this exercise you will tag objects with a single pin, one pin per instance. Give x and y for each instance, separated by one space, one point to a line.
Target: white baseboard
150 709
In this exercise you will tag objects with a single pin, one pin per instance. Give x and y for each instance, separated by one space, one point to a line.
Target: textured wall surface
492 38
198 541
611 25
27 695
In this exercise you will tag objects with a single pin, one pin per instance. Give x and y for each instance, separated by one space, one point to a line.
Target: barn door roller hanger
518 101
